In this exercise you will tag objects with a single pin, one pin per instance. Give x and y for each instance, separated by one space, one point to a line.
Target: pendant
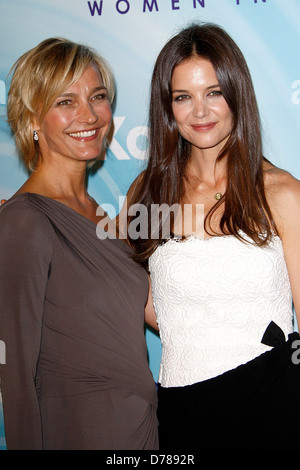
218 196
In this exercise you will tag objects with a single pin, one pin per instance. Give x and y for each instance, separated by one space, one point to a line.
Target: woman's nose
200 108
86 113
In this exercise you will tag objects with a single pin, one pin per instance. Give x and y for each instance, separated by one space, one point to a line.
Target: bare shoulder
283 194
280 183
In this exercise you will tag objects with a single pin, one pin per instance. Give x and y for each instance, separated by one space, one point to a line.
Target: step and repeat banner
130 34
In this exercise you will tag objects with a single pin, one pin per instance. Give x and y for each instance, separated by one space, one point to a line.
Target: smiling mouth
203 127
83 134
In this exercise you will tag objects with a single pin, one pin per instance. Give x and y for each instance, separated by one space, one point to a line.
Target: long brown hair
245 206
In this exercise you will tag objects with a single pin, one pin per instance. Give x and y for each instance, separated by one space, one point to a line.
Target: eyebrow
68 95
208 88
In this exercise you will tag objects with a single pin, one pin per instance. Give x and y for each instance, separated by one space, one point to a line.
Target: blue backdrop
129 34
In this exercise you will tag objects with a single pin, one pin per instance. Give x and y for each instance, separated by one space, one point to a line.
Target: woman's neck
58 181
206 171
66 185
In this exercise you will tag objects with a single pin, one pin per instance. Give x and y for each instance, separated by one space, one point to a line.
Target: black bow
273 336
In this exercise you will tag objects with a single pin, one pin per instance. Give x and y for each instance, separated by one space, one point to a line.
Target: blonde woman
72 305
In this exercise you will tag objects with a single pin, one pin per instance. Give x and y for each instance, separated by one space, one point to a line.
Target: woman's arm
25 253
150 316
285 206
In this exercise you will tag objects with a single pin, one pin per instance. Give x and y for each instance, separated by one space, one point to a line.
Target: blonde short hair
38 77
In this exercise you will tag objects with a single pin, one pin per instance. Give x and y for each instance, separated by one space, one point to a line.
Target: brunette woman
223 289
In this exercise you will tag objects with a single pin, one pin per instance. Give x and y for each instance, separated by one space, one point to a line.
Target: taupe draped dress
72 319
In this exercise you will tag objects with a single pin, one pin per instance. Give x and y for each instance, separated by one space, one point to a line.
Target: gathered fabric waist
55 379
70 365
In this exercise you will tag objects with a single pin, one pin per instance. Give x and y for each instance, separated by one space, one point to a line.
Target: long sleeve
25 260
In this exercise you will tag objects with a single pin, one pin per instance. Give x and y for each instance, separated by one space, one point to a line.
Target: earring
35 136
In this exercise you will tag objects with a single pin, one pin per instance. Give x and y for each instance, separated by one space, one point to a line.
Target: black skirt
255 406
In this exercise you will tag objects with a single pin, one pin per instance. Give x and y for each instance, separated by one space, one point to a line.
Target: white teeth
83 134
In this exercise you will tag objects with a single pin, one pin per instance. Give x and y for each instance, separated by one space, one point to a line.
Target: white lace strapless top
214 299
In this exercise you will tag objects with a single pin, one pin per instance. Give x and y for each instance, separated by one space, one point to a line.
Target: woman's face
78 121
203 116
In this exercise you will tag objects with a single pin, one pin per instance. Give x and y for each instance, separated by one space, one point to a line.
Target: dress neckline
195 236
63 206
55 201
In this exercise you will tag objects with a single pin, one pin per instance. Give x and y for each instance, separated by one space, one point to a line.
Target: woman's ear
35 123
